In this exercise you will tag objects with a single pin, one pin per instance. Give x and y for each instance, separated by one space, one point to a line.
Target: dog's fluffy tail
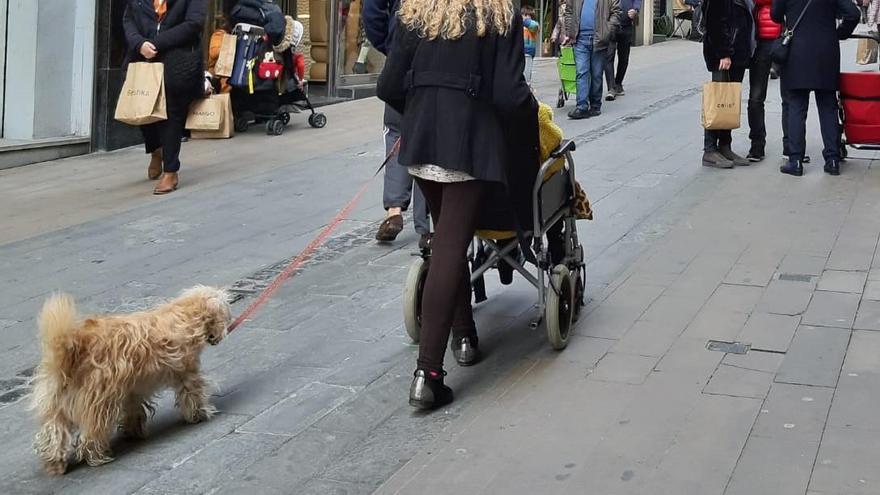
57 323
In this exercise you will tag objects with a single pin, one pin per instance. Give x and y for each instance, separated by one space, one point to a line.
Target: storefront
46 78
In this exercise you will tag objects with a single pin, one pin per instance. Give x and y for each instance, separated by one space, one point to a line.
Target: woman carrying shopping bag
170 32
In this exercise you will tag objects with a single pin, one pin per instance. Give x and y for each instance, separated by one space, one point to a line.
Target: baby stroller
860 108
265 85
567 75
561 297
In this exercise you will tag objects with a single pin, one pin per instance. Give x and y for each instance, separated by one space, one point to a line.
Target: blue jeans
590 65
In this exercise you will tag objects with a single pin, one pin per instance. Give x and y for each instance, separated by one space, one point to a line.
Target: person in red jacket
759 77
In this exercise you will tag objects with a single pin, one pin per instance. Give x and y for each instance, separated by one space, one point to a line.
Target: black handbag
184 72
782 45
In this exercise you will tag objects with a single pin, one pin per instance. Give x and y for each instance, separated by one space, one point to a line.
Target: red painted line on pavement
301 258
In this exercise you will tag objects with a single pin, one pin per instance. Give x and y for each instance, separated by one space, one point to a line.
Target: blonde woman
469 137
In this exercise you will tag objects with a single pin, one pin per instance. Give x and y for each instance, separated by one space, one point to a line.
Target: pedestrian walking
728 45
813 65
530 39
591 25
460 63
759 78
620 47
168 31
399 192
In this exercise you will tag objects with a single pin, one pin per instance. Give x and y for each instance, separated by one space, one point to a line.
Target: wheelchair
560 279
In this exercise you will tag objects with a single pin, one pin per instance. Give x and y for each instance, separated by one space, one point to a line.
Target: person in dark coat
728 46
153 28
379 21
814 65
469 136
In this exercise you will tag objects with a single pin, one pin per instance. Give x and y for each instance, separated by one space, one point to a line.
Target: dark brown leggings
446 300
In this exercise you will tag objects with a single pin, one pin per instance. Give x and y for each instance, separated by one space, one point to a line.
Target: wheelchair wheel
412 298
559 313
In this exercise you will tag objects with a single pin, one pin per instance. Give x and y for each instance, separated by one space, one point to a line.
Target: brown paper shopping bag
722 105
205 114
223 68
226 129
142 99
867 52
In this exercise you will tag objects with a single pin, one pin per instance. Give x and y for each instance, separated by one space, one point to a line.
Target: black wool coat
466 106
181 28
814 57
730 32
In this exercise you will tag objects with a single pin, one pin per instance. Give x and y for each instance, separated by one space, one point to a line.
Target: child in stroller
268 75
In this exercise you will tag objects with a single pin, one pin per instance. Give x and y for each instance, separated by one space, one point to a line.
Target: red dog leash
309 250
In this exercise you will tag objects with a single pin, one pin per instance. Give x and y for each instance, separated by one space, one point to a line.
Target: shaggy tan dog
102 372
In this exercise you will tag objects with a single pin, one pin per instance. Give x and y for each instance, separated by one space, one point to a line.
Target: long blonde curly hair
448 19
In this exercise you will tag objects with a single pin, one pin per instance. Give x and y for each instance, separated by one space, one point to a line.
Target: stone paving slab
769 332
848 462
773 467
815 357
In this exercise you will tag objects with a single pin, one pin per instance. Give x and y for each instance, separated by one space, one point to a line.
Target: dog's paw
98 459
200 415
138 431
55 468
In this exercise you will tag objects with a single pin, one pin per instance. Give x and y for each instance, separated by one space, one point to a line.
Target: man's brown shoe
167 184
154 171
390 228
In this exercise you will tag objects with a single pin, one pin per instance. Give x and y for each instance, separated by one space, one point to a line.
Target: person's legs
172 132
725 138
759 79
527 72
446 296
597 69
624 45
826 104
397 190
798 107
583 48
153 146
786 144
420 212
608 69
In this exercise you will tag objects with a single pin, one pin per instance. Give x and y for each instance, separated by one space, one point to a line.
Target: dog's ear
218 301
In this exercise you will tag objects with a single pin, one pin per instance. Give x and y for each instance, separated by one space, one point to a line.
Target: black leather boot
832 167
466 351
428 391
792 167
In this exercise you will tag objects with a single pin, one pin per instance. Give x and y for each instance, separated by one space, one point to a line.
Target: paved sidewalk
312 390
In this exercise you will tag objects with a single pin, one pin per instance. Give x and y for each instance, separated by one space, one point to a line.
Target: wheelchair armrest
563 148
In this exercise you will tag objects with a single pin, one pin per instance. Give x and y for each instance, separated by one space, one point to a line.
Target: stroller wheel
843 151
285 118
241 124
275 128
561 101
317 120
560 307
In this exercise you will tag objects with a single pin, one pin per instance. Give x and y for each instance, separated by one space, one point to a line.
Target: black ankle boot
466 351
832 167
428 391
792 167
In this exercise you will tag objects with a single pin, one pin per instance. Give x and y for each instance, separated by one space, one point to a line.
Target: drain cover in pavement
795 277
728 347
